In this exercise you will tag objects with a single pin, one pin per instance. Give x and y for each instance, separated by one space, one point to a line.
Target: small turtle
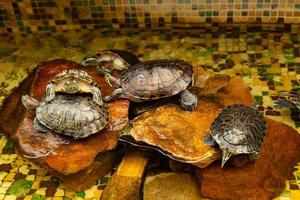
238 129
154 80
289 99
73 81
73 115
113 60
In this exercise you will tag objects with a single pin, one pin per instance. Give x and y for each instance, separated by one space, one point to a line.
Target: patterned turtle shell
156 79
77 116
239 129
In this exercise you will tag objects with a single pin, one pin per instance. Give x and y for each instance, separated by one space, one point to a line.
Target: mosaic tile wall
27 16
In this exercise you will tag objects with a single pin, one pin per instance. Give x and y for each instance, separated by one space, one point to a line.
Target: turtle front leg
188 100
97 96
89 62
209 140
50 92
254 156
29 102
281 103
117 93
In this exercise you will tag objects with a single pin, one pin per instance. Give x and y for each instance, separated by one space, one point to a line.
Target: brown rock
87 177
178 133
126 182
235 92
207 83
60 154
263 178
171 186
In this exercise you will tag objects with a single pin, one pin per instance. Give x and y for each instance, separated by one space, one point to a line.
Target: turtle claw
225 157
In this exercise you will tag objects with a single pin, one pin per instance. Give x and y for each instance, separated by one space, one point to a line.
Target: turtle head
70 86
225 156
103 66
29 102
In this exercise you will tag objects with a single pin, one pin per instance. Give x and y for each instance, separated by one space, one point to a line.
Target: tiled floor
268 62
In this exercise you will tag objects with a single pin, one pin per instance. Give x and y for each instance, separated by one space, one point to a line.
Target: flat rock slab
263 178
60 154
178 133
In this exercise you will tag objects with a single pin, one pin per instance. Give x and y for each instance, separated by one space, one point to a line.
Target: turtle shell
239 129
73 115
156 79
74 73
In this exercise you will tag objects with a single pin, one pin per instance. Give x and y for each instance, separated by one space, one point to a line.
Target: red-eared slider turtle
153 80
73 81
238 129
73 115
113 60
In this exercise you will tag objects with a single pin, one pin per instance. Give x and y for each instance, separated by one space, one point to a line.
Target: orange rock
177 133
87 177
235 92
60 154
263 178
207 83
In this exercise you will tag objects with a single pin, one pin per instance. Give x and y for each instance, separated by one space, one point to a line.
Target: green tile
37 197
80 194
19 187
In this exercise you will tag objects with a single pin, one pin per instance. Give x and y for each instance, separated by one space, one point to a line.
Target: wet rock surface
263 178
60 154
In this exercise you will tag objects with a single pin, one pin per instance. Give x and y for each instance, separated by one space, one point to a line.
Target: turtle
152 80
238 129
73 81
73 115
289 99
114 60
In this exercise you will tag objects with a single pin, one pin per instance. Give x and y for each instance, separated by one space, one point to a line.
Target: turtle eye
107 65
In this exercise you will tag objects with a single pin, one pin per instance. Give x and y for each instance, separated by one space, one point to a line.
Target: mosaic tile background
27 16
268 61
